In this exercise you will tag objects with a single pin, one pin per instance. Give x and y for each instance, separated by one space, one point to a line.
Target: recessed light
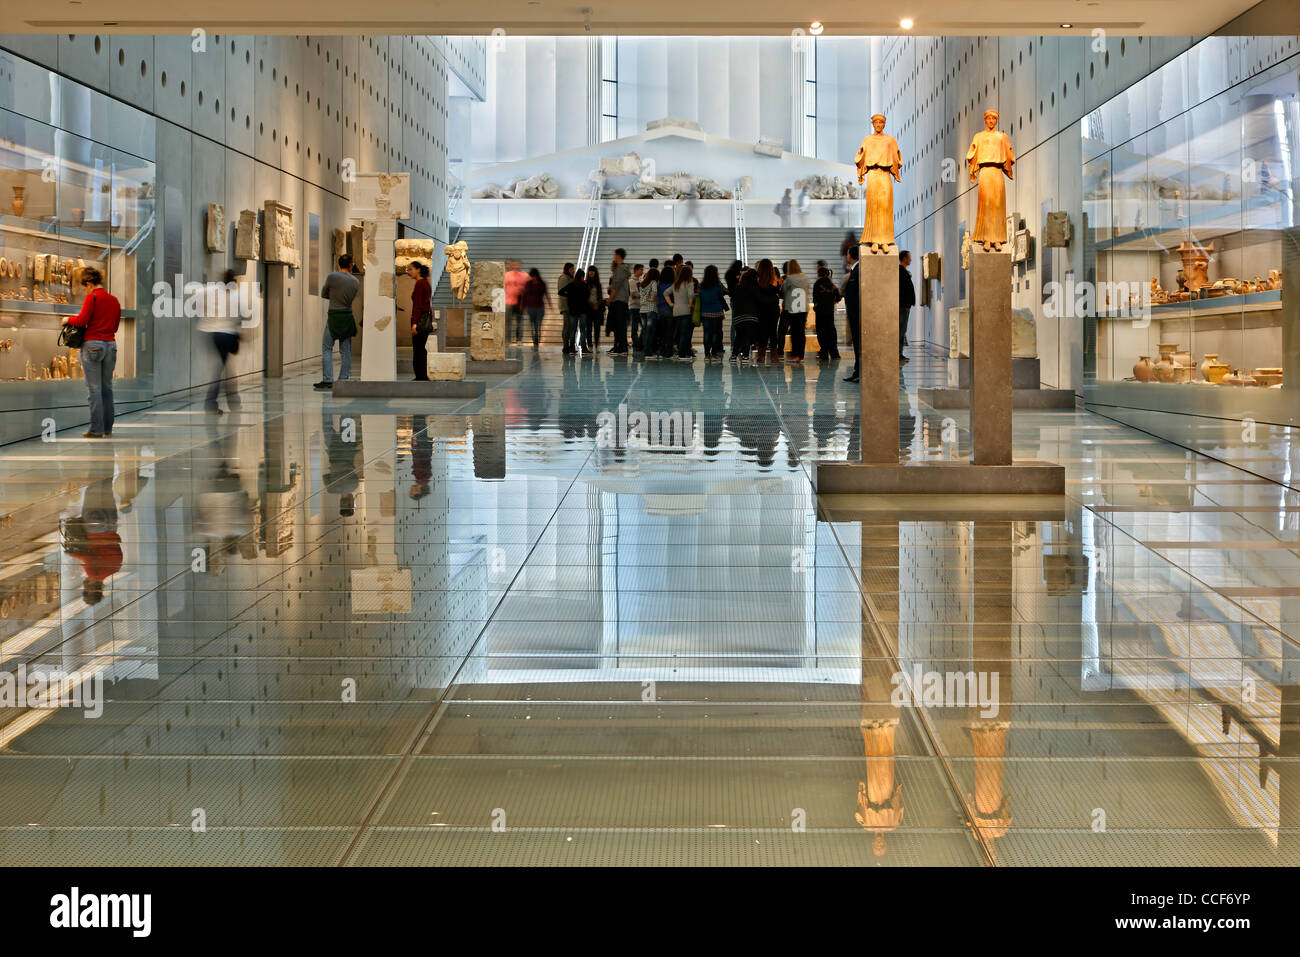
907 23
815 28
1067 26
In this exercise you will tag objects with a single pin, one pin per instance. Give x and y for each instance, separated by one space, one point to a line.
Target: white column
379 351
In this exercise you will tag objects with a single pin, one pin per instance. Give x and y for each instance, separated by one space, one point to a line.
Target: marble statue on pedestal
458 268
878 161
990 158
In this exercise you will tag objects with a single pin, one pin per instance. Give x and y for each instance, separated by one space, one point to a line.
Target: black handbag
424 324
72 336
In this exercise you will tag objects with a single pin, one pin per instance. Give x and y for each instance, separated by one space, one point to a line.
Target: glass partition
66 204
1187 223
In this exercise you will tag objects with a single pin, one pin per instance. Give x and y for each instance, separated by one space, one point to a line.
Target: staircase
549 248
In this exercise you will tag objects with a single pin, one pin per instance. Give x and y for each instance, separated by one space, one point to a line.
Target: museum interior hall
679 435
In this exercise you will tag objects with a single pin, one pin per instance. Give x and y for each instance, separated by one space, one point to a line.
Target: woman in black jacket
769 311
578 295
825 296
744 315
595 310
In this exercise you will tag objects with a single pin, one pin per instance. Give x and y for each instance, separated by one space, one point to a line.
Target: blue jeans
712 335
648 332
327 356
685 330
98 360
535 314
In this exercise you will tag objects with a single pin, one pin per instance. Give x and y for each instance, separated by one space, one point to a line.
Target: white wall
734 87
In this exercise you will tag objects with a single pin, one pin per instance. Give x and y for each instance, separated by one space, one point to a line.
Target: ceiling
719 18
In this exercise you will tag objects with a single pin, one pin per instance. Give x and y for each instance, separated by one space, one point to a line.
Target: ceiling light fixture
1067 26
907 23
815 28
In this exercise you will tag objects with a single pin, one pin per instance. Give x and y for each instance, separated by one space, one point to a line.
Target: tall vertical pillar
990 349
878 364
379 354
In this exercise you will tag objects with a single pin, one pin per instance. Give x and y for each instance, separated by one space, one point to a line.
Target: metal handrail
738 223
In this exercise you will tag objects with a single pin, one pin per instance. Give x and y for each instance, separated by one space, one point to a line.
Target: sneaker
322 385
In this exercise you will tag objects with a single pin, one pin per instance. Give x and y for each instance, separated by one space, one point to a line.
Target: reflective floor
547 627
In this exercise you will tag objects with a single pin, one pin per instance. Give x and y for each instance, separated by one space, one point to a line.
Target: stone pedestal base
940 478
1020 398
408 389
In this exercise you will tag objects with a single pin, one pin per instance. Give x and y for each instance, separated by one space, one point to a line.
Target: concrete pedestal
408 389
878 365
992 470
1020 398
940 478
273 321
990 363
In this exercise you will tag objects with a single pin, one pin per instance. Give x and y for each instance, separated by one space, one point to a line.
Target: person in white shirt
221 322
681 296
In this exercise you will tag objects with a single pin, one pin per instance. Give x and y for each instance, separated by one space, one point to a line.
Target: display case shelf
1265 301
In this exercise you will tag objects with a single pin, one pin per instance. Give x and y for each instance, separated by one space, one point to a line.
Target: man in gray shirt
619 288
340 288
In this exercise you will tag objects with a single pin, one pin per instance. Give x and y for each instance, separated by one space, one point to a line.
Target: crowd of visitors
651 309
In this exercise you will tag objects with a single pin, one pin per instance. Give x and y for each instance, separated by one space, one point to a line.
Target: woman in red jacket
100 316
422 325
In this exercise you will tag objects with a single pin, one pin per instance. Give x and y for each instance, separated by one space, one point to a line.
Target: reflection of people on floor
421 456
225 512
341 448
92 538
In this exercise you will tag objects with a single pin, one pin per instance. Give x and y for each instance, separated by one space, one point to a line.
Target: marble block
281 242
627 165
407 251
446 365
216 237
387 285
487 335
672 121
769 147
248 236
1058 231
487 285
370 228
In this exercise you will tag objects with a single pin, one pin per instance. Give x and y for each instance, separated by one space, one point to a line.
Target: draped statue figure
878 162
990 158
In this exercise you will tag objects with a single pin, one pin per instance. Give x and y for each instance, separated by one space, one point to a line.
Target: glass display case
1186 227
68 203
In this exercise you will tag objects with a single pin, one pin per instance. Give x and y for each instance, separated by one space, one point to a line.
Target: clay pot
1164 369
1183 374
20 203
1216 372
1166 349
1232 378
1211 358
1144 371
1196 264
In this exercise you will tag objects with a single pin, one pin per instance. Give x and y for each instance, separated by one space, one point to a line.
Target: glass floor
530 629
